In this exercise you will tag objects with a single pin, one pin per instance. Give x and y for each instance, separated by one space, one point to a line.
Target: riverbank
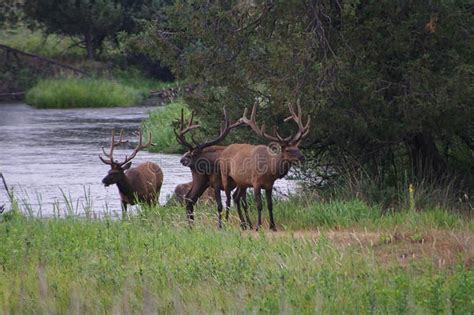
360 262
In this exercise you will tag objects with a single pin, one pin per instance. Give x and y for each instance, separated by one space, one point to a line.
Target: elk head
288 146
191 158
117 169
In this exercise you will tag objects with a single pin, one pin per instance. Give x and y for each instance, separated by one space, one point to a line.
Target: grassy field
333 257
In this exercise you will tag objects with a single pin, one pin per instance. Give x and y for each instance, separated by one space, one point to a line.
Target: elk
259 166
181 190
138 184
202 159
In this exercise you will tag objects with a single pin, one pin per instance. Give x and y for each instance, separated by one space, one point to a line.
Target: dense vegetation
389 84
348 259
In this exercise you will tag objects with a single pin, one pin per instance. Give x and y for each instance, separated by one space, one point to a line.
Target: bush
73 92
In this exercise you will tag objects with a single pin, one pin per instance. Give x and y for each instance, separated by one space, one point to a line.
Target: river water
49 158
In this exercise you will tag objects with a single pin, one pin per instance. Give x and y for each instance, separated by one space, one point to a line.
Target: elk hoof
273 228
243 226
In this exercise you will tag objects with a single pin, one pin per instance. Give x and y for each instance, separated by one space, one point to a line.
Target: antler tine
190 119
108 162
113 144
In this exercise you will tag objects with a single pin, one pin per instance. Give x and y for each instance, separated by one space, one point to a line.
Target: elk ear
127 166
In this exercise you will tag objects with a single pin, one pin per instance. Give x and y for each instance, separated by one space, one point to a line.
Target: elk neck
282 166
125 187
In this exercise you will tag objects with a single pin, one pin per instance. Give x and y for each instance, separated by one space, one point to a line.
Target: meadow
327 257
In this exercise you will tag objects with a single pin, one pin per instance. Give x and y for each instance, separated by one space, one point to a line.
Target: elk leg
245 205
191 197
124 210
189 212
236 197
258 202
268 194
217 193
227 203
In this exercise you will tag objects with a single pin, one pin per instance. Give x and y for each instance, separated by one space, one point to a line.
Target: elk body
259 166
203 160
138 184
181 191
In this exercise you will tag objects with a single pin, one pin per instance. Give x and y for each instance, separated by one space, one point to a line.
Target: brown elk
202 159
181 190
259 166
138 184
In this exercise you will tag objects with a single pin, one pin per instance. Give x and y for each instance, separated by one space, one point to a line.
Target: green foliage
10 12
160 124
92 20
388 83
72 92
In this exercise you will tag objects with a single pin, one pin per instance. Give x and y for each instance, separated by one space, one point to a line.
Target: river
49 158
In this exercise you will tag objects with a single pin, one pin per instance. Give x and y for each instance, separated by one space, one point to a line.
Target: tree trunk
426 160
89 46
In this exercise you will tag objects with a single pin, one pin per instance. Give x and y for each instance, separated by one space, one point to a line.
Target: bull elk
259 166
138 184
202 159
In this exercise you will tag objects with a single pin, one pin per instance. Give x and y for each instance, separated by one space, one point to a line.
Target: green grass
159 123
364 263
73 92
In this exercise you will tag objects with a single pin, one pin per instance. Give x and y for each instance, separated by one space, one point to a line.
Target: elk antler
138 148
292 139
224 131
113 144
303 130
180 136
253 124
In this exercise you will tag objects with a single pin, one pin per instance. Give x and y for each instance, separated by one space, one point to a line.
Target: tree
389 83
9 11
93 20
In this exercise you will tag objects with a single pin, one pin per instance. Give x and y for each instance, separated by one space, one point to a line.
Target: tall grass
155 263
73 92
329 257
160 124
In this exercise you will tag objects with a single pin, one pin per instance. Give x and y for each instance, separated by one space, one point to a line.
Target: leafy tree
93 20
388 83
